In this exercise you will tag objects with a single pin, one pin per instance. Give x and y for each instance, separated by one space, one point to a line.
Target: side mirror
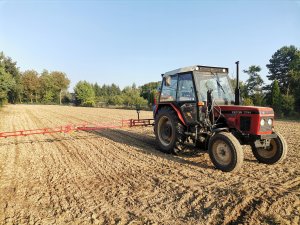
167 81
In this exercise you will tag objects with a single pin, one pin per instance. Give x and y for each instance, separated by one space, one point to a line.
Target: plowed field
117 176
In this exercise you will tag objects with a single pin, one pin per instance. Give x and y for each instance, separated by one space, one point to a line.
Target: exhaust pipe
237 89
210 107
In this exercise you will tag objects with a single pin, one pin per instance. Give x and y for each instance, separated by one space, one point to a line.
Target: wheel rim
222 153
165 131
268 152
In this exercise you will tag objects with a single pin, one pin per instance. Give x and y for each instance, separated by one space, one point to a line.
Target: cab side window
168 92
186 91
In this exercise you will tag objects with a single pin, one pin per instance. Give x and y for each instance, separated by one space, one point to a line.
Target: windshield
219 84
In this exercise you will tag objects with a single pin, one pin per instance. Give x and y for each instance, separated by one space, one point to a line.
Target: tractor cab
198 104
187 89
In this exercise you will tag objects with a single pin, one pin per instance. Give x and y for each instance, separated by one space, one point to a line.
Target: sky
125 42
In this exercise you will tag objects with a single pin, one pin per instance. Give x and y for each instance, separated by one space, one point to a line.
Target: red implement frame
138 122
79 127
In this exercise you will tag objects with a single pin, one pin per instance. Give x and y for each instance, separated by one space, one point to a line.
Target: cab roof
197 68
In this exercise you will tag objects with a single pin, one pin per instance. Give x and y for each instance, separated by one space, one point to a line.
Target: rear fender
174 108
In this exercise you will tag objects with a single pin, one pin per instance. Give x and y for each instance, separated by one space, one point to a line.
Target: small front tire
273 154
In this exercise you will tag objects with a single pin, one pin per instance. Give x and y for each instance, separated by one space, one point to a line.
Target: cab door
186 97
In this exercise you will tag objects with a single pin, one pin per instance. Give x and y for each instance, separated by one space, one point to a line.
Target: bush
247 101
258 99
89 103
84 94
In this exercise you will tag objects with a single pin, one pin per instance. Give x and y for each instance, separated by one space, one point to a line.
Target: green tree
287 104
114 90
276 98
131 96
248 101
108 94
61 83
243 87
10 67
280 67
46 87
254 82
149 90
6 83
133 86
84 93
97 89
66 97
295 80
152 97
115 100
16 93
254 85
258 99
104 90
52 86
31 85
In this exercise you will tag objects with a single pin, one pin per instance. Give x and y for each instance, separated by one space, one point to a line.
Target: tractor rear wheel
275 153
225 152
169 131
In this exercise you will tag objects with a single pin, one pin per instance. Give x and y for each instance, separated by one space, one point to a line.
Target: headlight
262 122
270 122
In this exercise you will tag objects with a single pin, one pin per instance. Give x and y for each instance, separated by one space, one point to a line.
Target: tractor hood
237 109
248 119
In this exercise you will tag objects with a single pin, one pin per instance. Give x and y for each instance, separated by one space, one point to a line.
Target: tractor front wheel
169 131
225 152
272 154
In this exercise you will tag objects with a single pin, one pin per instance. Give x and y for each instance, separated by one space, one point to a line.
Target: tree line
30 86
88 94
283 93
52 88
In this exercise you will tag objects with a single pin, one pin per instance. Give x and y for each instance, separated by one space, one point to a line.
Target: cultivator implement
138 122
79 127
82 127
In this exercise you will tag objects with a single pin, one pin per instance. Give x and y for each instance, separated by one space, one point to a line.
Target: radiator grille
245 123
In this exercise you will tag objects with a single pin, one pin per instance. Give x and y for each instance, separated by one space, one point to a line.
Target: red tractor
197 104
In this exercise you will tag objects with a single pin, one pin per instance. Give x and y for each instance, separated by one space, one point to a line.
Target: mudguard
155 109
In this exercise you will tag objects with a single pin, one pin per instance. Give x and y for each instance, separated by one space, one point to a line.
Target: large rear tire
225 152
169 131
273 154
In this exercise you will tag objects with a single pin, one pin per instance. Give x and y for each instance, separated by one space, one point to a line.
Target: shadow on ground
147 144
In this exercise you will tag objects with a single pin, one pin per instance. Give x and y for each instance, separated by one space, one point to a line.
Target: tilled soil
117 176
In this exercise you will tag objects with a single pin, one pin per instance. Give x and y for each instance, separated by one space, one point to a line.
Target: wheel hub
222 152
165 131
268 152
